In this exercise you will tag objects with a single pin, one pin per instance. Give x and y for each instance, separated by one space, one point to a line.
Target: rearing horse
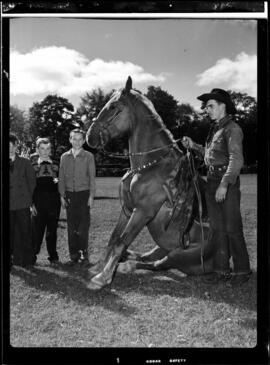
157 192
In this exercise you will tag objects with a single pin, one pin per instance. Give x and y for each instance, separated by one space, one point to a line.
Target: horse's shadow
69 283
176 285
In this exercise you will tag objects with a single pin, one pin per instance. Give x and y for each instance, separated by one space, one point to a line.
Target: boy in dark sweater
46 200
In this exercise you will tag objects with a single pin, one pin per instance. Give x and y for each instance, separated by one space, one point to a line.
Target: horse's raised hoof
126 267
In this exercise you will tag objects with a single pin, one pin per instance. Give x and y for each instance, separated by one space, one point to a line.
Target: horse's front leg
117 246
115 236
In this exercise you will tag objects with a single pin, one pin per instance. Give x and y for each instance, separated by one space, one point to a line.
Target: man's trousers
21 245
78 222
48 208
227 228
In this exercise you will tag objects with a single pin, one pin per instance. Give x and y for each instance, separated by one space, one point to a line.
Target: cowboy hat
219 95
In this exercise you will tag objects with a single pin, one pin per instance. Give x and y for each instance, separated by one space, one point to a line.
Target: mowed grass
51 307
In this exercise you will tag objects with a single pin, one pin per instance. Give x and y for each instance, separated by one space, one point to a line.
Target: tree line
55 117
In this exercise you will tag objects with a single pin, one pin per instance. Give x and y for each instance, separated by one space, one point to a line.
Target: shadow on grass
169 283
69 284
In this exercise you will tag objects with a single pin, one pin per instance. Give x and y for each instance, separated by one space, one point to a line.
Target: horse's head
113 120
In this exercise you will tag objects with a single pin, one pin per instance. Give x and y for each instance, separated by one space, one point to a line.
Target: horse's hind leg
145 261
156 253
188 261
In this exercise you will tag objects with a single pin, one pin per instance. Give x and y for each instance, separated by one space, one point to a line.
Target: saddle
187 203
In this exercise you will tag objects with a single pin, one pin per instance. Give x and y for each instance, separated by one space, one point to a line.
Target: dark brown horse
158 192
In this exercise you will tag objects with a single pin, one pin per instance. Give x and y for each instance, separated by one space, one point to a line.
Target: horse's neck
148 135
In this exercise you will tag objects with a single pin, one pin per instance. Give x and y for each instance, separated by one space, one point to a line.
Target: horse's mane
151 111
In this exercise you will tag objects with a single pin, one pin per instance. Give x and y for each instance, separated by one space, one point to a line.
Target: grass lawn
50 307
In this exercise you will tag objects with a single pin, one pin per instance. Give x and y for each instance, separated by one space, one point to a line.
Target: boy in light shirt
77 190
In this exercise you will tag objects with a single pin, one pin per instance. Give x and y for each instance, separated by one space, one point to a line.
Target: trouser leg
234 229
84 224
23 245
53 213
218 234
72 225
38 226
12 223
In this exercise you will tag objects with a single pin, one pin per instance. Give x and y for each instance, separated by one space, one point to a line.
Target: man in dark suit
22 182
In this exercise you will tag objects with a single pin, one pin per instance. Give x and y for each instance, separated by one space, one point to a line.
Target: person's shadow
70 282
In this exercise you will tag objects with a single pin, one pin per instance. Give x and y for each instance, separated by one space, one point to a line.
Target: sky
185 57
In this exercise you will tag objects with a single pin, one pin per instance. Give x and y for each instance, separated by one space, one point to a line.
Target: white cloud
67 72
238 75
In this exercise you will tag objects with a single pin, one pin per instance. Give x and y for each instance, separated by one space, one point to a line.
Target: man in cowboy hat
223 157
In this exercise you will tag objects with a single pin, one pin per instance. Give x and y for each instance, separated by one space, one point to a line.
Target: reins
198 193
132 154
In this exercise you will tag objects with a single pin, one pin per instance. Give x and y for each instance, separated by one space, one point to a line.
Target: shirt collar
80 153
40 160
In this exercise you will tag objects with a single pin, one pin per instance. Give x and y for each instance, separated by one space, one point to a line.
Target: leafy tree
91 104
185 116
247 118
17 122
53 117
165 104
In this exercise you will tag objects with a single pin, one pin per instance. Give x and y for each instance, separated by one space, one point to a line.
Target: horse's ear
128 86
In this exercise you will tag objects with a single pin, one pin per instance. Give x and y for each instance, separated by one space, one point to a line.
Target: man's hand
221 193
187 142
90 202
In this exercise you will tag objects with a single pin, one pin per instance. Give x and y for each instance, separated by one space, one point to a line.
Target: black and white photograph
135 232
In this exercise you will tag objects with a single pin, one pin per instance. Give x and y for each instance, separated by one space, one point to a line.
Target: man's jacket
22 182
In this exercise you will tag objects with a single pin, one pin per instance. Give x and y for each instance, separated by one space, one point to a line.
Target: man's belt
213 168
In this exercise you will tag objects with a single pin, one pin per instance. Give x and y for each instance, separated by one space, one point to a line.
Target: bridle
107 127
130 154
110 126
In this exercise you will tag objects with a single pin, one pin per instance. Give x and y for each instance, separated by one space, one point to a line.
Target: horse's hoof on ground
96 283
126 267
93 286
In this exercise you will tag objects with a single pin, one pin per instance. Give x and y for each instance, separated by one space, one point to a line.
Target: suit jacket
22 182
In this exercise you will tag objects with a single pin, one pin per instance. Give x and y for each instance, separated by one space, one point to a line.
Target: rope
197 189
130 154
